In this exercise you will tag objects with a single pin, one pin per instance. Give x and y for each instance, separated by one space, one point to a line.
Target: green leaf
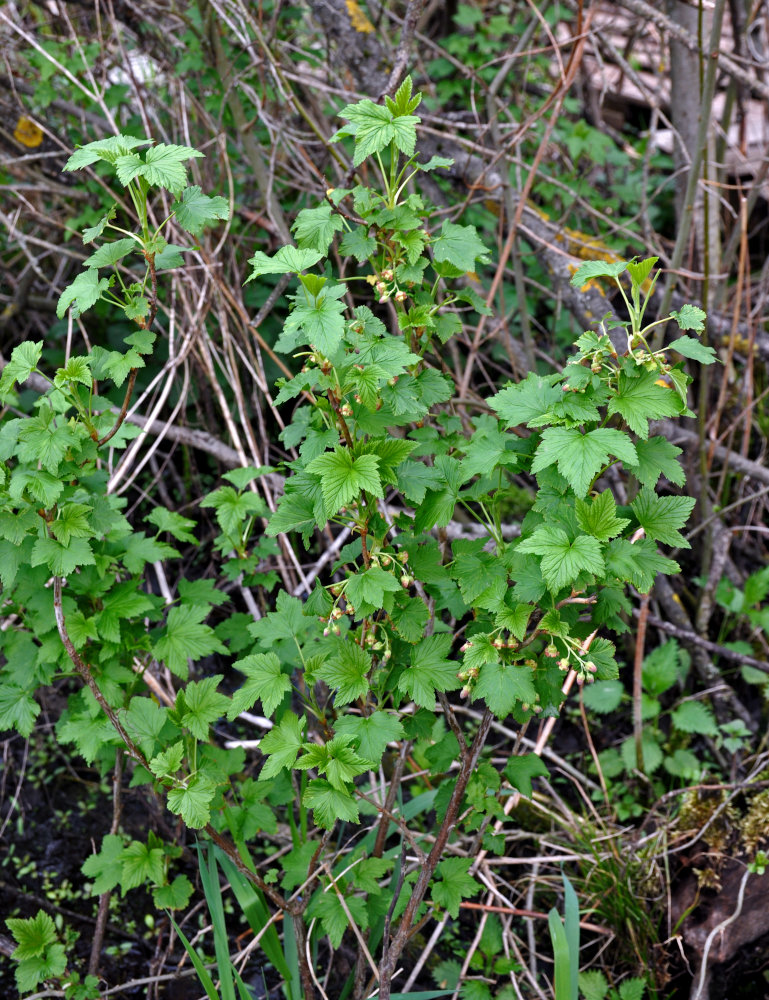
282 745
460 246
530 399
61 559
375 127
75 370
186 638
597 269
109 254
660 668
24 360
562 560
336 759
193 802
141 863
593 985
343 478
520 770
233 508
598 517
369 587
455 884
409 617
195 210
514 617
373 732
329 804
640 399
314 228
346 670
661 517
175 896
692 348
103 149
176 525
581 457
357 243
163 166
33 935
430 671
694 717
18 709
72 521
316 320
287 260
690 317
294 513
200 704
93 232
638 562
657 457
144 721
264 680
85 291
640 270
504 685
105 868
167 763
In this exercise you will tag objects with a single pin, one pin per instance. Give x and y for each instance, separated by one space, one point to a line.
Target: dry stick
392 949
687 636
693 179
640 638
402 55
102 914
562 93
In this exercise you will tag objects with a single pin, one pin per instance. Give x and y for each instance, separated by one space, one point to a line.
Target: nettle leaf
329 804
315 228
691 348
287 260
195 210
460 246
657 457
639 399
343 477
430 671
200 704
372 732
109 254
661 517
694 717
193 801
597 269
562 560
598 517
690 317
455 884
530 399
347 670
84 292
186 637
24 360
504 685
580 457
282 745
264 680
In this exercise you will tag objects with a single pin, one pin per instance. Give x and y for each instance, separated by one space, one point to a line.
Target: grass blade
205 979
